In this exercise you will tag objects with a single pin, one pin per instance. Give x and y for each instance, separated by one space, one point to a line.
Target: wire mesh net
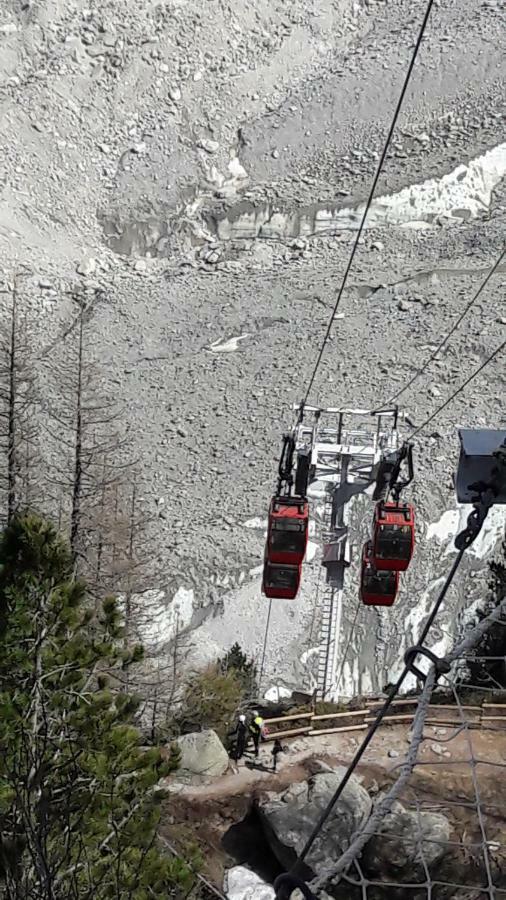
438 824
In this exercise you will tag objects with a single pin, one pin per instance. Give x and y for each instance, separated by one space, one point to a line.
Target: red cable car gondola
287 530
377 588
394 536
281 581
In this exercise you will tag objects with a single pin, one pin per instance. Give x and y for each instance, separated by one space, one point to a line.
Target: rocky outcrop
203 754
244 884
406 840
289 818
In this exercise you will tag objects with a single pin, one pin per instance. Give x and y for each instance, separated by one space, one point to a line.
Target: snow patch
277 693
445 528
454 520
157 619
462 194
417 616
229 346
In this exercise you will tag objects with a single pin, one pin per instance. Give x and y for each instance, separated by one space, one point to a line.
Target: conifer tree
237 661
487 665
79 796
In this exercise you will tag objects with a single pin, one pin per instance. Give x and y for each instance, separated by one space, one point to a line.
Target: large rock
202 753
416 836
290 817
244 884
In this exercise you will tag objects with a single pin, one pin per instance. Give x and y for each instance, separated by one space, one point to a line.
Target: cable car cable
452 331
379 718
352 631
457 392
266 635
370 198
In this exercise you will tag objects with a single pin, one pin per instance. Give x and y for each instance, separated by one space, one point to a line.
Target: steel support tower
345 447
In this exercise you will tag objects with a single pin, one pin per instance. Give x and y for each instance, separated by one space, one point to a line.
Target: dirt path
488 747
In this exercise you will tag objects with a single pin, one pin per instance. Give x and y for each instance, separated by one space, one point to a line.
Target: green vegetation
236 661
213 697
487 666
210 700
79 797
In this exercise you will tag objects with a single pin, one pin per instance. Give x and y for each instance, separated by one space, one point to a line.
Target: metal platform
346 446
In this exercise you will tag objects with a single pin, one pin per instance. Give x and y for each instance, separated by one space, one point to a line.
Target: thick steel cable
266 635
371 194
457 392
379 718
452 331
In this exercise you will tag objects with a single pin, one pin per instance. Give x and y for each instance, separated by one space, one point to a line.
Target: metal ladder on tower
328 618
328 639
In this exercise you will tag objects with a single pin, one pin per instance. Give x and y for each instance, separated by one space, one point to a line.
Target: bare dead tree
128 565
77 486
90 445
17 402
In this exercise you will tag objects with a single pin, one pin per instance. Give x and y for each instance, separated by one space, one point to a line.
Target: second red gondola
394 536
377 588
281 581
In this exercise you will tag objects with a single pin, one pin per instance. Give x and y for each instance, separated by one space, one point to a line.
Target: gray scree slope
133 135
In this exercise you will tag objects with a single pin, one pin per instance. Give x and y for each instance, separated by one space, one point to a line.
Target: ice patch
416 617
462 194
454 520
229 346
257 522
156 619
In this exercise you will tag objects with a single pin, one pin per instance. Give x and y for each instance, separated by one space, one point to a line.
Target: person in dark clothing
276 750
256 730
241 738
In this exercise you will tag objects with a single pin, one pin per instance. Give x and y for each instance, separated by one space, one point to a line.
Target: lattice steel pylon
345 446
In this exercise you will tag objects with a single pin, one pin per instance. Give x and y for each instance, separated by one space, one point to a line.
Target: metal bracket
442 667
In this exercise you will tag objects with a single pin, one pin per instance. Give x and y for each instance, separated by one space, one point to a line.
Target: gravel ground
138 149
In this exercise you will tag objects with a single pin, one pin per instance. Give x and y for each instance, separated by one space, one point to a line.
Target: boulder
289 818
415 836
202 753
244 884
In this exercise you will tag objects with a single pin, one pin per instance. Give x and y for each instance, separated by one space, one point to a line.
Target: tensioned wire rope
458 391
370 197
447 337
